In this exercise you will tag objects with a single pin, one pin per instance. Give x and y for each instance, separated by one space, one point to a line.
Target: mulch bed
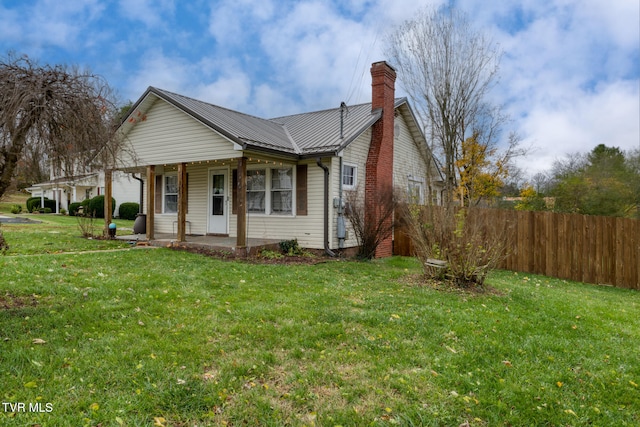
257 258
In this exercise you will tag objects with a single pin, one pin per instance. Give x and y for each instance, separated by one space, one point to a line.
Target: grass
10 199
151 337
57 234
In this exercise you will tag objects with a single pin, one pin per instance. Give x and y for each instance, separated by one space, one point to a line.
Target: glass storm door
218 203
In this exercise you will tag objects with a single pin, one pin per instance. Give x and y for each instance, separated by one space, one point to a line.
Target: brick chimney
379 169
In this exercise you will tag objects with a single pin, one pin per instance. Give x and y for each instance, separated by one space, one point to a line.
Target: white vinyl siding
409 165
308 229
197 197
170 136
356 155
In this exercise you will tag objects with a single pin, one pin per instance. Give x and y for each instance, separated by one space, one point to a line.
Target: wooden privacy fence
592 249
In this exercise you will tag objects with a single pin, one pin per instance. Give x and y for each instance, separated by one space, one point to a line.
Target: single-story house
208 170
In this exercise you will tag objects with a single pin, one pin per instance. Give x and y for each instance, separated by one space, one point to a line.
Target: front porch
205 242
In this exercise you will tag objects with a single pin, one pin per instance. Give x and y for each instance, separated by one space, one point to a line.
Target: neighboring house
198 159
85 185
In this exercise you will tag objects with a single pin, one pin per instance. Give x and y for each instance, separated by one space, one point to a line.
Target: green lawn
148 337
57 234
9 199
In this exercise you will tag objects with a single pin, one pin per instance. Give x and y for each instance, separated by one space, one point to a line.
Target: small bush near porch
153 337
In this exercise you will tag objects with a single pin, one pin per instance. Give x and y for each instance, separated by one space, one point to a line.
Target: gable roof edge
198 117
405 102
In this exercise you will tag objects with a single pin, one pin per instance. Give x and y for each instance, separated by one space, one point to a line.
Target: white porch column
56 197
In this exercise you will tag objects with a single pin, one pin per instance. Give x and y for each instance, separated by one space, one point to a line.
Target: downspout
140 224
342 231
324 167
340 225
141 192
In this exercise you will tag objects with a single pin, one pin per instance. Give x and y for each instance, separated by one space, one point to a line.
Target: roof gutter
324 167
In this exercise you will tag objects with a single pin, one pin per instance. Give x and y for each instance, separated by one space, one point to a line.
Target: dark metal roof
241 128
319 131
302 135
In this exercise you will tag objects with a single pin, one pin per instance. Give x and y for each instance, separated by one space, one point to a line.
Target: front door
218 203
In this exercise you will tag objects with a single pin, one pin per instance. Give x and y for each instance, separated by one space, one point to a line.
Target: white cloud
569 76
150 12
320 55
10 28
231 21
610 116
231 90
33 28
157 69
270 102
565 73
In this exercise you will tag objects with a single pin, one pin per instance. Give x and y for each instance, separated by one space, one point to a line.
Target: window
349 176
281 191
415 191
271 191
256 190
171 194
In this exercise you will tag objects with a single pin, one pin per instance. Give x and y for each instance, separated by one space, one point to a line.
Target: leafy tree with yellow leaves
481 170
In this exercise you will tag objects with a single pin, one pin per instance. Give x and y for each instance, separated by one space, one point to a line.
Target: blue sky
569 75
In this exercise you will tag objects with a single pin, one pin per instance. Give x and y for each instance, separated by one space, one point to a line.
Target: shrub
469 245
269 254
45 210
50 204
87 225
95 207
372 220
128 210
290 247
33 203
73 208
16 209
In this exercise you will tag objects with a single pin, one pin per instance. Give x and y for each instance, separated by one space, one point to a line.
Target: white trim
267 197
355 176
164 195
228 192
419 183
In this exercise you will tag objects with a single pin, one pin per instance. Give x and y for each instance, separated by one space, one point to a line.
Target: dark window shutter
158 196
234 191
301 190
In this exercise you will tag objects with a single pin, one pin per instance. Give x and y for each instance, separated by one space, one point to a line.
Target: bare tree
64 112
448 69
370 230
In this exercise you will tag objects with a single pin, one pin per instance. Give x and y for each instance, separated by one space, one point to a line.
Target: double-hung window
270 191
282 191
349 176
256 190
171 193
415 191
